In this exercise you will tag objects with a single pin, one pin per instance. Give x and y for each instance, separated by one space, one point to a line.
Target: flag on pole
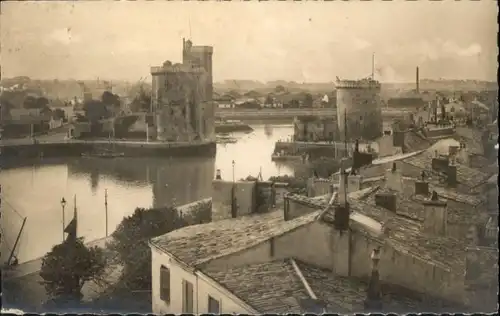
71 229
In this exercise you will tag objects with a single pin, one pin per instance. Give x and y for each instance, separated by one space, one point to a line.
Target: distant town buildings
182 96
313 128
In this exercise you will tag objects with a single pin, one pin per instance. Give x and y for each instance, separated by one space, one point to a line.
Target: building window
187 297
165 284
213 305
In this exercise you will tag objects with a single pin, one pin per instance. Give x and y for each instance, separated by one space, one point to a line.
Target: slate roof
410 205
416 141
275 287
198 244
405 233
465 175
472 138
386 159
406 236
347 294
270 287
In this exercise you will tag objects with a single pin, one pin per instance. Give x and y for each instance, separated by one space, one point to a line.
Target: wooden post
106 209
63 221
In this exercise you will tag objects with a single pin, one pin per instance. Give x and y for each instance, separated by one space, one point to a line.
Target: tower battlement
202 49
358 84
158 70
358 109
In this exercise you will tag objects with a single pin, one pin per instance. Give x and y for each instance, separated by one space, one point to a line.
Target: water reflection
34 189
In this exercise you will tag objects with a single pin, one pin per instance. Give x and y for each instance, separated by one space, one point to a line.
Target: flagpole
75 218
106 209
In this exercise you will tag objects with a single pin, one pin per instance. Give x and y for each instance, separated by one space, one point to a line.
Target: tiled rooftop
416 141
405 227
270 287
451 194
410 205
275 287
314 202
405 232
346 295
472 137
198 244
465 175
393 158
386 159
406 235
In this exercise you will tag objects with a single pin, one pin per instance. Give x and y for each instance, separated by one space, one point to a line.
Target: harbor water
34 189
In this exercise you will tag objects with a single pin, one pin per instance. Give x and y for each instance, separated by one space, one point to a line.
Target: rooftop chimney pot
218 175
440 164
387 201
393 178
422 187
453 150
434 196
451 174
435 215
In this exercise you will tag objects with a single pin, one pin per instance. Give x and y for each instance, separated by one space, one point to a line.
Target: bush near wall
129 242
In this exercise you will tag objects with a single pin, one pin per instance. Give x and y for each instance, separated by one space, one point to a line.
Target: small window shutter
165 284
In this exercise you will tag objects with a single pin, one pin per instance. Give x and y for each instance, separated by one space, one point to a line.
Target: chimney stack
422 186
393 178
387 201
398 138
418 81
435 215
343 182
373 301
342 209
463 155
453 150
451 175
218 175
440 164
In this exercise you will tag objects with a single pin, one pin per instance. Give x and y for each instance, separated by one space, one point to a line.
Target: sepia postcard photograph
249 157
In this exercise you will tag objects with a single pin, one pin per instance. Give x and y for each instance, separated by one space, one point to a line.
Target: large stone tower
199 56
358 105
182 96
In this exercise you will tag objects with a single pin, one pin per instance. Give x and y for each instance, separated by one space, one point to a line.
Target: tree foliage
68 266
59 114
109 98
279 88
95 110
130 239
295 185
308 100
141 102
269 99
42 103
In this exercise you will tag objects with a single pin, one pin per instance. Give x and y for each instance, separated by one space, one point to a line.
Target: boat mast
17 241
345 132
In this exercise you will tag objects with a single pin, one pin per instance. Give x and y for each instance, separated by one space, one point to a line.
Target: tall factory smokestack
417 78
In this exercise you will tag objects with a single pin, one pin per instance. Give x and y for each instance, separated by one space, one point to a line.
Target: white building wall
202 288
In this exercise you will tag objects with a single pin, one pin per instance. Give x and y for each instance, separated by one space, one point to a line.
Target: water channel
34 189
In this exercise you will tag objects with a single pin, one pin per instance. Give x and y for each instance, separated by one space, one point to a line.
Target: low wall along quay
129 149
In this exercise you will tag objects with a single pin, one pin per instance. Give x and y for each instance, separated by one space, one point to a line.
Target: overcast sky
304 42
